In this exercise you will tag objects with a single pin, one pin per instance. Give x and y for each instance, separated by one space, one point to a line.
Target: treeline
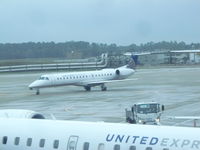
81 49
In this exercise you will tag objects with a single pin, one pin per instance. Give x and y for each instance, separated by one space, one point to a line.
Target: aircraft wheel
87 88
38 92
103 88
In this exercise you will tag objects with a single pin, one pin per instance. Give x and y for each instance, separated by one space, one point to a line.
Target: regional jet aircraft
37 133
86 79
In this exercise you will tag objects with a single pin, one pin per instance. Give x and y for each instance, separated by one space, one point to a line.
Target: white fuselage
36 134
85 78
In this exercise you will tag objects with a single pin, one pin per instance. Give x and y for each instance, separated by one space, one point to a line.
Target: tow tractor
145 113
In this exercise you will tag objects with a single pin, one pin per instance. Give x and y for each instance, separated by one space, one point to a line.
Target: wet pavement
177 88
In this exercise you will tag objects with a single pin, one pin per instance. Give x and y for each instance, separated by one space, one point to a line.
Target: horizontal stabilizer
136 54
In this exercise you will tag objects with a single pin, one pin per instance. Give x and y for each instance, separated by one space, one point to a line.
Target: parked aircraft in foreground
86 79
34 133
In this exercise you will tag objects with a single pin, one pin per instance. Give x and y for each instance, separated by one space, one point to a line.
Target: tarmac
178 88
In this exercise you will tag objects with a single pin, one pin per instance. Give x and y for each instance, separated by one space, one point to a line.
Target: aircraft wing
94 83
185 117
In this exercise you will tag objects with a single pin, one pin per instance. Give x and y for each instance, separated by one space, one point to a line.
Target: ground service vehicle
145 113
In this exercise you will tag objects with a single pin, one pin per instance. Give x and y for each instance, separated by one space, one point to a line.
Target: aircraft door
72 142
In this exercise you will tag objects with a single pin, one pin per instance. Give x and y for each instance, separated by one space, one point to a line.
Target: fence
58 66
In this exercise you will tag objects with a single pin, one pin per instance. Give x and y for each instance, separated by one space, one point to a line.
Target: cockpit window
43 78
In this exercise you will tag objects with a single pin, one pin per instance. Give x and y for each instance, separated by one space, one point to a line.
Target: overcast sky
103 21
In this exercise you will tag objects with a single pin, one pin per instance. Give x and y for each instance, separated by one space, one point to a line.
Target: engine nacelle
20 113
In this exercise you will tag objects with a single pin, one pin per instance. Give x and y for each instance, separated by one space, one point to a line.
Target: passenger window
86 146
29 142
117 147
4 140
17 140
149 148
56 144
132 148
101 146
42 142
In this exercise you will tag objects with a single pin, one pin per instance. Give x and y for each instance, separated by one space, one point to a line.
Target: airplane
32 133
86 79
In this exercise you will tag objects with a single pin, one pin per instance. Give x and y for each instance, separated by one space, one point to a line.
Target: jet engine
117 72
20 113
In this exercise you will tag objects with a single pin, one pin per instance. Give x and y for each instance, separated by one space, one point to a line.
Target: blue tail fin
135 59
133 63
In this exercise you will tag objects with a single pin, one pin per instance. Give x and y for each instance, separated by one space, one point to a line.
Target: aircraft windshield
43 78
147 108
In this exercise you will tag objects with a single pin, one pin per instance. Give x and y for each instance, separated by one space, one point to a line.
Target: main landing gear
37 92
103 87
87 88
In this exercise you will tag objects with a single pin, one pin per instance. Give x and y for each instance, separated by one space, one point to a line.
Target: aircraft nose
33 85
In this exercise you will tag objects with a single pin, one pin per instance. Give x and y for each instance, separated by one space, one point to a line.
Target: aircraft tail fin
135 59
133 63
